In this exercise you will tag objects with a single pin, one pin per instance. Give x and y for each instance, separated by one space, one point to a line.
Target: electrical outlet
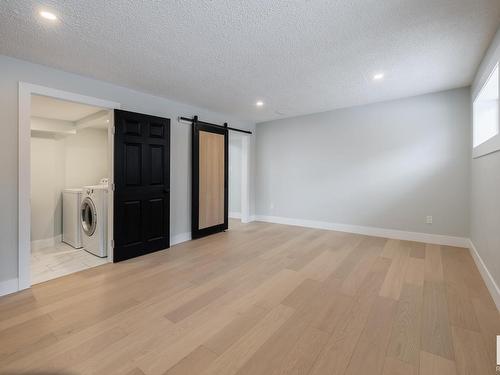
428 219
271 206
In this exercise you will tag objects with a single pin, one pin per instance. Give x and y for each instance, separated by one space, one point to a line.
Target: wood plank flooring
260 299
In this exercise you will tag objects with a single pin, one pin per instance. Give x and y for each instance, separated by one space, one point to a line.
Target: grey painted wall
385 165
14 70
485 184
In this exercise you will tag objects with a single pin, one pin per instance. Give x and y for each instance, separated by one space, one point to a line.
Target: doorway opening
239 206
55 150
69 187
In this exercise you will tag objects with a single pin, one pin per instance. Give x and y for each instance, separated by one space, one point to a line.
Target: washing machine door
88 214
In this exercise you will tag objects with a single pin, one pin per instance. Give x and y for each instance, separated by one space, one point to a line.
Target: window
486 113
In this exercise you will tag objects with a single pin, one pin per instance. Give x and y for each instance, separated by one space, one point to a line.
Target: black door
209 180
142 184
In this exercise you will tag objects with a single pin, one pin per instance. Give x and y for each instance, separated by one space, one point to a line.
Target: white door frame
245 178
24 180
245 175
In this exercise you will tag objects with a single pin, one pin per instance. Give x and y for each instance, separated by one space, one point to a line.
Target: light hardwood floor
260 299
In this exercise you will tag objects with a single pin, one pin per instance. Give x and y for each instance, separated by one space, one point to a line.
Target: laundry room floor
51 262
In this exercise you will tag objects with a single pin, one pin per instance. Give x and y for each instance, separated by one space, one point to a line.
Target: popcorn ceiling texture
298 56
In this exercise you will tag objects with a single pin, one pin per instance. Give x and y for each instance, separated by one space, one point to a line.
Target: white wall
235 149
57 163
86 157
485 186
47 181
385 165
14 70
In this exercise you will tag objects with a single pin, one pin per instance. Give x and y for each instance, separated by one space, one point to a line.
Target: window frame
492 144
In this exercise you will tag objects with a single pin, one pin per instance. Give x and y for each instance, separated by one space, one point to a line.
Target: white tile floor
59 260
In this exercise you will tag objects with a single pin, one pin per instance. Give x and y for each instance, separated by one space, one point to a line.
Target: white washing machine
94 219
72 225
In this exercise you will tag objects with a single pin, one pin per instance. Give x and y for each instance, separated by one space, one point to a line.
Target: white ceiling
81 115
298 56
55 109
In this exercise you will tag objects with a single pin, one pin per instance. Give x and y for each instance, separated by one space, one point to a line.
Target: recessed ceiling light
48 15
378 76
259 103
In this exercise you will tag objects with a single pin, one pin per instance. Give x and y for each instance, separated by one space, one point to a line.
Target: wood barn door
142 185
209 180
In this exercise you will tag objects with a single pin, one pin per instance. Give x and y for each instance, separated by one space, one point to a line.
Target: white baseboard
179 238
47 242
9 286
437 239
488 279
235 215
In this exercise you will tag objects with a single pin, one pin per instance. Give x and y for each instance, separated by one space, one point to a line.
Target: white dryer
94 218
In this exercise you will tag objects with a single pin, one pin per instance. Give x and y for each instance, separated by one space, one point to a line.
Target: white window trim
492 144
488 147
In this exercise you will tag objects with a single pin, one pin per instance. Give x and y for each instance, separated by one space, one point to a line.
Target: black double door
142 184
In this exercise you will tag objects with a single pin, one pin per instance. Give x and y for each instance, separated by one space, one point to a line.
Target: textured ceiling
298 56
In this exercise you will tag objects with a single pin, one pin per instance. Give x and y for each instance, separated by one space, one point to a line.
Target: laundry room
69 187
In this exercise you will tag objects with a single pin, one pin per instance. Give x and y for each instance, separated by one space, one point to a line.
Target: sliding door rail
195 120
